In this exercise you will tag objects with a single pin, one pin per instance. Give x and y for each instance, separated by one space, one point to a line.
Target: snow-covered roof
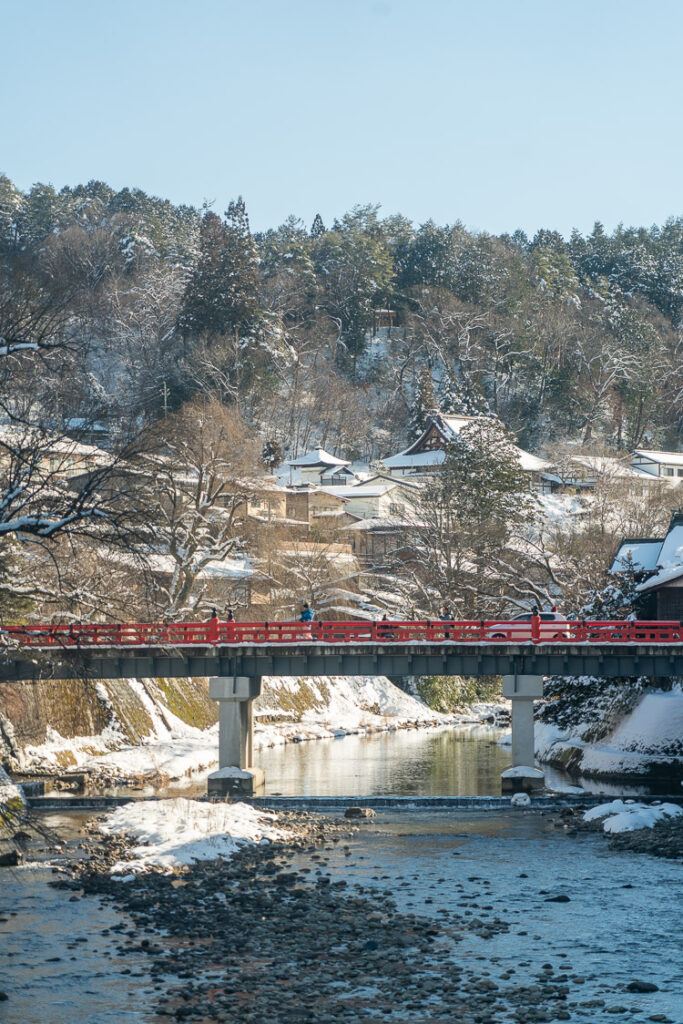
531 463
375 523
456 423
236 567
403 460
672 548
359 491
334 470
12 434
528 462
609 466
411 485
447 427
318 457
673 458
643 555
663 576
336 513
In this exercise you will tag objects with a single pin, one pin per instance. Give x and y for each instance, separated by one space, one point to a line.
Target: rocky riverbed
257 938
422 917
301 930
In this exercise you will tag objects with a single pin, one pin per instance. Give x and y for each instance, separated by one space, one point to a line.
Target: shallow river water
460 761
623 920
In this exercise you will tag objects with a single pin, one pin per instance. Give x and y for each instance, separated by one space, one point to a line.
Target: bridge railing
217 633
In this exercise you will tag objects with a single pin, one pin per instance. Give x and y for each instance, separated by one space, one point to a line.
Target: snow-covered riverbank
644 741
290 710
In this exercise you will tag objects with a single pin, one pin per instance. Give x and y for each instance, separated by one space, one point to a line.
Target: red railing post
535 628
212 631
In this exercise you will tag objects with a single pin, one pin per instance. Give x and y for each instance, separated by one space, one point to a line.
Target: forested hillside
566 340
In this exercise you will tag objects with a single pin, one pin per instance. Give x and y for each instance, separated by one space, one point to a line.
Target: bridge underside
364 660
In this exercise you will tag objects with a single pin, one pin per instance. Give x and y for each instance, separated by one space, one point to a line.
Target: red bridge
395 649
216 633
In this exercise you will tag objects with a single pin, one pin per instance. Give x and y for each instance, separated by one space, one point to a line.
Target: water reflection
465 761
433 762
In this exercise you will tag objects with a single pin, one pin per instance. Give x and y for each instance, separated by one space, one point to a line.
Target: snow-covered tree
424 402
618 597
222 293
272 454
200 478
458 396
355 270
464 518
317 227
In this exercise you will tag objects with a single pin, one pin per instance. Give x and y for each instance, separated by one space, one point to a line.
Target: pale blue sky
500 113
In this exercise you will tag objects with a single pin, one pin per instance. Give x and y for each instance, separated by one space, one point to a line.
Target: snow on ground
561 508
172 751
175 758
340 705
172 833
10 795
179 753
652 732
627 816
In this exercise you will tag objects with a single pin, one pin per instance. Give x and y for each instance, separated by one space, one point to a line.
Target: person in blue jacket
306 613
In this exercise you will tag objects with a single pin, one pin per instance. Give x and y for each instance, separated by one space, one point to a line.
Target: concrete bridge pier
523 774
236 775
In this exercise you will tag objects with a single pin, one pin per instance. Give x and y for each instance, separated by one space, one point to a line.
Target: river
57 965
620 921
446 761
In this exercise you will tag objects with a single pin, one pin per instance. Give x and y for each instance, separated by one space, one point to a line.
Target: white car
525 634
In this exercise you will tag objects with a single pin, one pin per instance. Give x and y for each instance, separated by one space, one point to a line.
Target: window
668 471
394 509
679 472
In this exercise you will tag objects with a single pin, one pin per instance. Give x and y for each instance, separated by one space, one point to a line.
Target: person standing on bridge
385 632
447 616
307 614
229 615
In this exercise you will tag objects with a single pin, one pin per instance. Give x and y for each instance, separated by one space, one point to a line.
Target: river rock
641 986
359 812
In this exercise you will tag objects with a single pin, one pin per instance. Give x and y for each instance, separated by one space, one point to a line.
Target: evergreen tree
430 258
459 397
272 454
467 515
222 293
317 227
619 596
355 270
424 401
